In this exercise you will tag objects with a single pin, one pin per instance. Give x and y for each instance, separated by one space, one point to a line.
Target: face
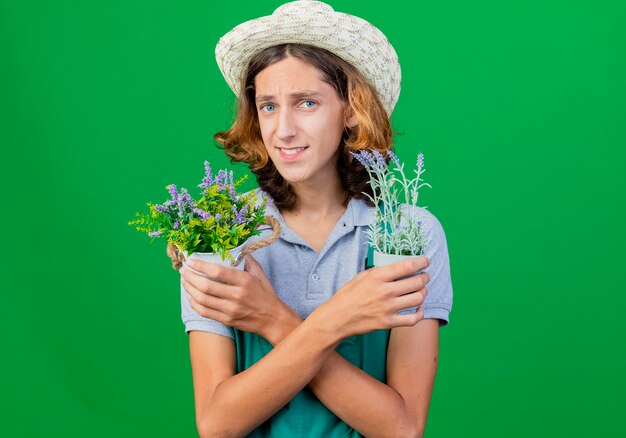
301 119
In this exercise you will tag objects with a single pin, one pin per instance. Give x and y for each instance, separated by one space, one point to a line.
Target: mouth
291 153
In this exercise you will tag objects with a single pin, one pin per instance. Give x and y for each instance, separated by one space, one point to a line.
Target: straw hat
315 23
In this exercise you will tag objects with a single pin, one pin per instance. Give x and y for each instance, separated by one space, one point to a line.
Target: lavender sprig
394 231
203 214
240 215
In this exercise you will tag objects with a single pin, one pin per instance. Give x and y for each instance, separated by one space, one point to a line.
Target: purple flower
364 158
240 216
221 175
173 192
394 158
380 160
207 171
176 224
184 200
420 161
184 197
207 181
233 193
203 214
156 233
373 160
181 199
218 216
161 208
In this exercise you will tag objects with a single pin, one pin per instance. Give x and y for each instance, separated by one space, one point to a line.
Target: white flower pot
216 258
382 259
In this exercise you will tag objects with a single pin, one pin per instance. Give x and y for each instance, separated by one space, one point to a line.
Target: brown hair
243 142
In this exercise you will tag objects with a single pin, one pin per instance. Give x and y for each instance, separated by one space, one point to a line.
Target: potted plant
397 232
214 228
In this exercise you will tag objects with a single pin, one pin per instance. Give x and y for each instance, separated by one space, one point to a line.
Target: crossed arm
226 402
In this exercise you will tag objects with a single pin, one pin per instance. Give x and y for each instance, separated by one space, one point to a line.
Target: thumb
253 267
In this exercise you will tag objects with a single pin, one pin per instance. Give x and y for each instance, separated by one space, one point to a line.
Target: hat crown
300 6
315 23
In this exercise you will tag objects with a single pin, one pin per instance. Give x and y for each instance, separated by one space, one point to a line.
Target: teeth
292 151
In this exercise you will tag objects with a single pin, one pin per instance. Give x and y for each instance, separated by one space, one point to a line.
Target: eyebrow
295 96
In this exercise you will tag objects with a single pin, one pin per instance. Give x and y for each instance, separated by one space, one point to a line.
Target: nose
286 128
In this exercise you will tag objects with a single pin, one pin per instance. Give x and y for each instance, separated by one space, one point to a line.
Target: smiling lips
292 153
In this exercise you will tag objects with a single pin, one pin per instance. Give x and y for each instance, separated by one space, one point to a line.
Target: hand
372 299
245 300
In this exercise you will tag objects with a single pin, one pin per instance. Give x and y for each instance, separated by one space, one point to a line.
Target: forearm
366 404
235 408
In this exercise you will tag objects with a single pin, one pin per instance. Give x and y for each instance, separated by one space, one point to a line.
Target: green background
519 108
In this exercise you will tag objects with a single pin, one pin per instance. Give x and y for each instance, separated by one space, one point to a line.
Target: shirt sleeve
194 321
438 302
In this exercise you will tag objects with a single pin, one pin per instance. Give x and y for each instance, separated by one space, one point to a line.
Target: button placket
314 289
316 285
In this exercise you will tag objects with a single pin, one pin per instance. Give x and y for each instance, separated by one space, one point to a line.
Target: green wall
519 108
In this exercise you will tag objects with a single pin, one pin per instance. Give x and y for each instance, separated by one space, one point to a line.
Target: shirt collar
362 214
357 214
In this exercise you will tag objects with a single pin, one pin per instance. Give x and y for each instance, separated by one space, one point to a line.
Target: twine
178 258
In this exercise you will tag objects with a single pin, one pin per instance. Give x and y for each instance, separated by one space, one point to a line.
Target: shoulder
436 243
366 215
427 220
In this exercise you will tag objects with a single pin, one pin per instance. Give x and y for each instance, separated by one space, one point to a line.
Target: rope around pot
178 258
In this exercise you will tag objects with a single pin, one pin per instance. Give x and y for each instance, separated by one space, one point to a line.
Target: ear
350 118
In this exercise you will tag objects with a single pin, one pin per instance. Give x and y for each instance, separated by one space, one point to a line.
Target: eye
309 104
268 107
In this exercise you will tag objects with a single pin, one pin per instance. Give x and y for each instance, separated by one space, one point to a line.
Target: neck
320 201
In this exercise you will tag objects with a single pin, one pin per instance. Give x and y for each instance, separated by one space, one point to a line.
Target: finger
207 312
407 320
206 285
203 299
361 274
255 269
402 269
410 284
409 300
251 264
217 272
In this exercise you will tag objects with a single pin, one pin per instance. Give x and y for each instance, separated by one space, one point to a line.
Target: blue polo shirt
304 279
